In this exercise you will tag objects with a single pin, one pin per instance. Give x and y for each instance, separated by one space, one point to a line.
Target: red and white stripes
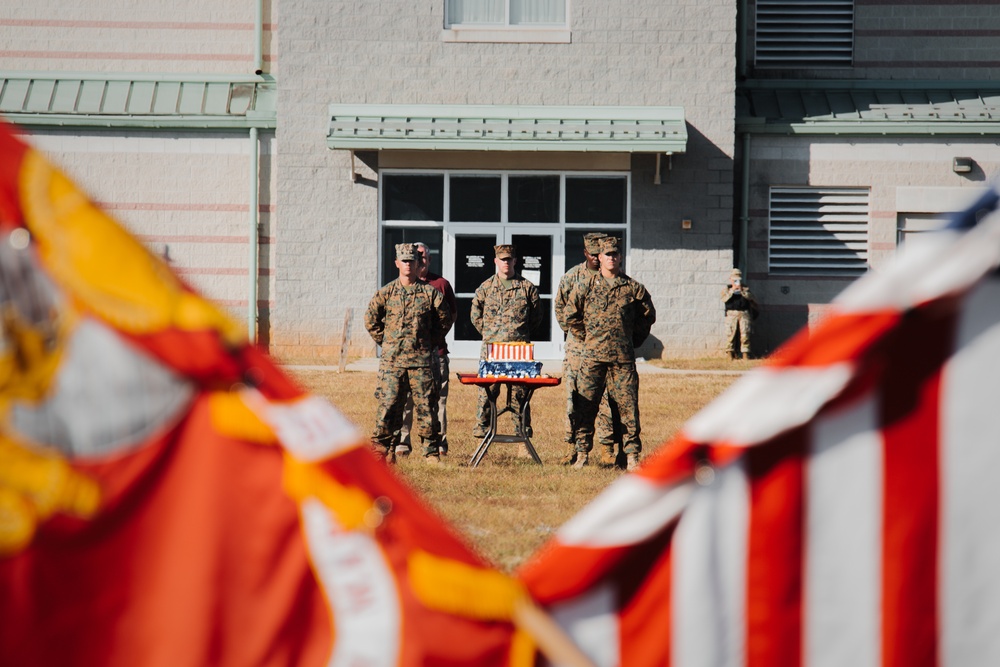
511 352
834 508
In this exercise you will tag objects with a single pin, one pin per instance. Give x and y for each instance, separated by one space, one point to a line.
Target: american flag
836 506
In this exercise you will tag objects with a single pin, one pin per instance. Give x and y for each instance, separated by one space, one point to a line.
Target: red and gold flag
169 497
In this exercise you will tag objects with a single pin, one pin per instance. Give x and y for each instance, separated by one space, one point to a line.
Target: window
818 231
804 33
506 21
507 12
433 198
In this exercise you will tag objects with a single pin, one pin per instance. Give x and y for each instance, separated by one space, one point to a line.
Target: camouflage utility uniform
579 275
611 317
409 323
505 313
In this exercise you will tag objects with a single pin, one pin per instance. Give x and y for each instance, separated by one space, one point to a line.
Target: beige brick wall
137 36
186 196
640 52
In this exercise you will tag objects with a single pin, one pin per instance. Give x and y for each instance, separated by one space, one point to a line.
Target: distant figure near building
408 318
741 310
505 309
612 314
579 274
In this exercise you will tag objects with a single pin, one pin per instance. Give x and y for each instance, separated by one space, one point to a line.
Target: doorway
468 252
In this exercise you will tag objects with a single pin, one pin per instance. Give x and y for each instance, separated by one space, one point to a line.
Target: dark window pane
533 198
543 333
475 198
463 324
473 261
534 255
416 197
595 200
393 235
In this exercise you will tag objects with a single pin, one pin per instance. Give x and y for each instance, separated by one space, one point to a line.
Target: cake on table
510 360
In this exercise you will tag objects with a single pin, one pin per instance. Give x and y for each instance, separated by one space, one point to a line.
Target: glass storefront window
600 200
533 199
474 198
413 197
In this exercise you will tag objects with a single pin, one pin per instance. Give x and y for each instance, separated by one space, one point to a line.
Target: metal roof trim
138 101
507 128
883 107
894 128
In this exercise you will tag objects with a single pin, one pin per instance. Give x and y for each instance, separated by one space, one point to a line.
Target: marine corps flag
836 507
169 497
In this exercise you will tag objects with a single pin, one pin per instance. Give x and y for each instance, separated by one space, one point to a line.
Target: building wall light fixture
962 165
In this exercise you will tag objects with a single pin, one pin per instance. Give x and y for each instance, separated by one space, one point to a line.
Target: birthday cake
510 360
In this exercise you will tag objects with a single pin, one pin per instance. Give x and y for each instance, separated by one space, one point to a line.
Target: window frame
560 224
543 33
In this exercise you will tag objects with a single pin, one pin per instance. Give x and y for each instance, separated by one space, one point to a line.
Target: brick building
275 150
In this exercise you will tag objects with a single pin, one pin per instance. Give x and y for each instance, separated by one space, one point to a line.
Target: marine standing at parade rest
741 309
409 319
505 309
612 314
440 365
582 273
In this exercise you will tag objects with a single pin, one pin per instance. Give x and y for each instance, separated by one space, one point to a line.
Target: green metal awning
911 108
138 101
507 128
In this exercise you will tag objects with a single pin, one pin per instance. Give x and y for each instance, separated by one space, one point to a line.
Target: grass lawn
508 506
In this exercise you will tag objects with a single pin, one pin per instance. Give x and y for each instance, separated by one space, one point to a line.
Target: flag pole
551 639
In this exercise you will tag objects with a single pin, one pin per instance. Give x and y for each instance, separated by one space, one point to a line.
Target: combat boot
570 456
632 461
385 454
581 460
608 456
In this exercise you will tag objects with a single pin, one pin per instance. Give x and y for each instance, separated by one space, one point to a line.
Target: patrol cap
736 273
609 244
406 251
505 251
592 242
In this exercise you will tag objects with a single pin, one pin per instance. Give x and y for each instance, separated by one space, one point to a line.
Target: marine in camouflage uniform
582 273
740 305
612 314
409 319
505 309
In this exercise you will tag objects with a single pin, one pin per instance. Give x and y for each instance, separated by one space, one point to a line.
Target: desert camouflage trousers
621 381
440 368
394 384
738 319
607 435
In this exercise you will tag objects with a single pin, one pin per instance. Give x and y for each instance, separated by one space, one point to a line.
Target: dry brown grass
508 506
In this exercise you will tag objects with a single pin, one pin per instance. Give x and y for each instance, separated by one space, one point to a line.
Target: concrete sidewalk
549 367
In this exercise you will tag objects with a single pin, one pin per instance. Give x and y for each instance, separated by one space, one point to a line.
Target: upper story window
506 21
818 231
802 34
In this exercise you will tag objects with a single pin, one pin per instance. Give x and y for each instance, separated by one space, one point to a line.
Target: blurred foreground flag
169 497
835 507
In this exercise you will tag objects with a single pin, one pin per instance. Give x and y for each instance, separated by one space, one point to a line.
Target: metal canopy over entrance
507 128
